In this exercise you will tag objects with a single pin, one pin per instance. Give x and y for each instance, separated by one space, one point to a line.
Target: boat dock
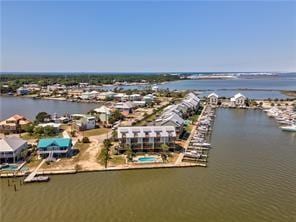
197 146
32 176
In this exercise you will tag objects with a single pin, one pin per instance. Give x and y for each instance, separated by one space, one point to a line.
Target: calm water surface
251 177
251 94
29 108
275 83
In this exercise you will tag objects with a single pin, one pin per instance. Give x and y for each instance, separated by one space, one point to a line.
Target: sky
155 36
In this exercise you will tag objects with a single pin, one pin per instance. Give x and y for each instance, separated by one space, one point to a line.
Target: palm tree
105 156
105 152
129 153
107 144
165 150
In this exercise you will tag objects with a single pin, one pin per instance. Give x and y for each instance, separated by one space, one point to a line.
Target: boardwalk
31 176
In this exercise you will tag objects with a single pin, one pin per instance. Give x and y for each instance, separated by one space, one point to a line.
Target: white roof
55 125
139 102
102 109
135 132
213 94
120 95
125 105
236 96
10 144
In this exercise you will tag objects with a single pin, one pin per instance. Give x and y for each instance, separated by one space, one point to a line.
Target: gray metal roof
10 144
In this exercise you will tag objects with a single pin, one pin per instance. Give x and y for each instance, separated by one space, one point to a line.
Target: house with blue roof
54 147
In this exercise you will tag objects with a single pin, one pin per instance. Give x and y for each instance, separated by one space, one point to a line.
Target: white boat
291 128
202 144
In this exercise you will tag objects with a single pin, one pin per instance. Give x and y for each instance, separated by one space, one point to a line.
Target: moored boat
291 128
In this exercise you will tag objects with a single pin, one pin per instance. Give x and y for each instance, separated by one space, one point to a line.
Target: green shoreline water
251 177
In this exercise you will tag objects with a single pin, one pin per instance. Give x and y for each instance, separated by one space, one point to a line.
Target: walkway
33 174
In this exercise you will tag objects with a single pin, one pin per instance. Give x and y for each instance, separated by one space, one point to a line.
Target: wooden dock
31 177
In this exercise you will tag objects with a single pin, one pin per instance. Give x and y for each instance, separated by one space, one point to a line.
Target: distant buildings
106 95
22 91
12 149
213 99
83 122
135 97
125 108
54 147
89 95
13 124
56 87
148 98
155 88
146 138
103 113
238 100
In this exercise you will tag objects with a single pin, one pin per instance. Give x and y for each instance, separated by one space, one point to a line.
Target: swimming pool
13 167
146 159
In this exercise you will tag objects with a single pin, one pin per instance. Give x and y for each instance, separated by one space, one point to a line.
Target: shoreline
289 93
176 164
71 171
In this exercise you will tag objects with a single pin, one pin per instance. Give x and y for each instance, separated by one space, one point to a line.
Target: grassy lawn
188 128
194 118
117 160
34 162
27 136
95 132
151 117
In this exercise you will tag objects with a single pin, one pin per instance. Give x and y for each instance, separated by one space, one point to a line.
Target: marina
198 146
285 117
247 179
149 111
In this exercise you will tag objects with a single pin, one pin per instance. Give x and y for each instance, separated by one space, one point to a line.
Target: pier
32 176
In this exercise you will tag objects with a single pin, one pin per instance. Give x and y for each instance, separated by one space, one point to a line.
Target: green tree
105 153
38 130
40 117
105 156
165 149
29 128
114 134
115 116
49 131
129 153
107 143
85 140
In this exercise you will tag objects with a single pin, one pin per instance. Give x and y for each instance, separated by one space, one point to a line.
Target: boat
291 128
202 144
